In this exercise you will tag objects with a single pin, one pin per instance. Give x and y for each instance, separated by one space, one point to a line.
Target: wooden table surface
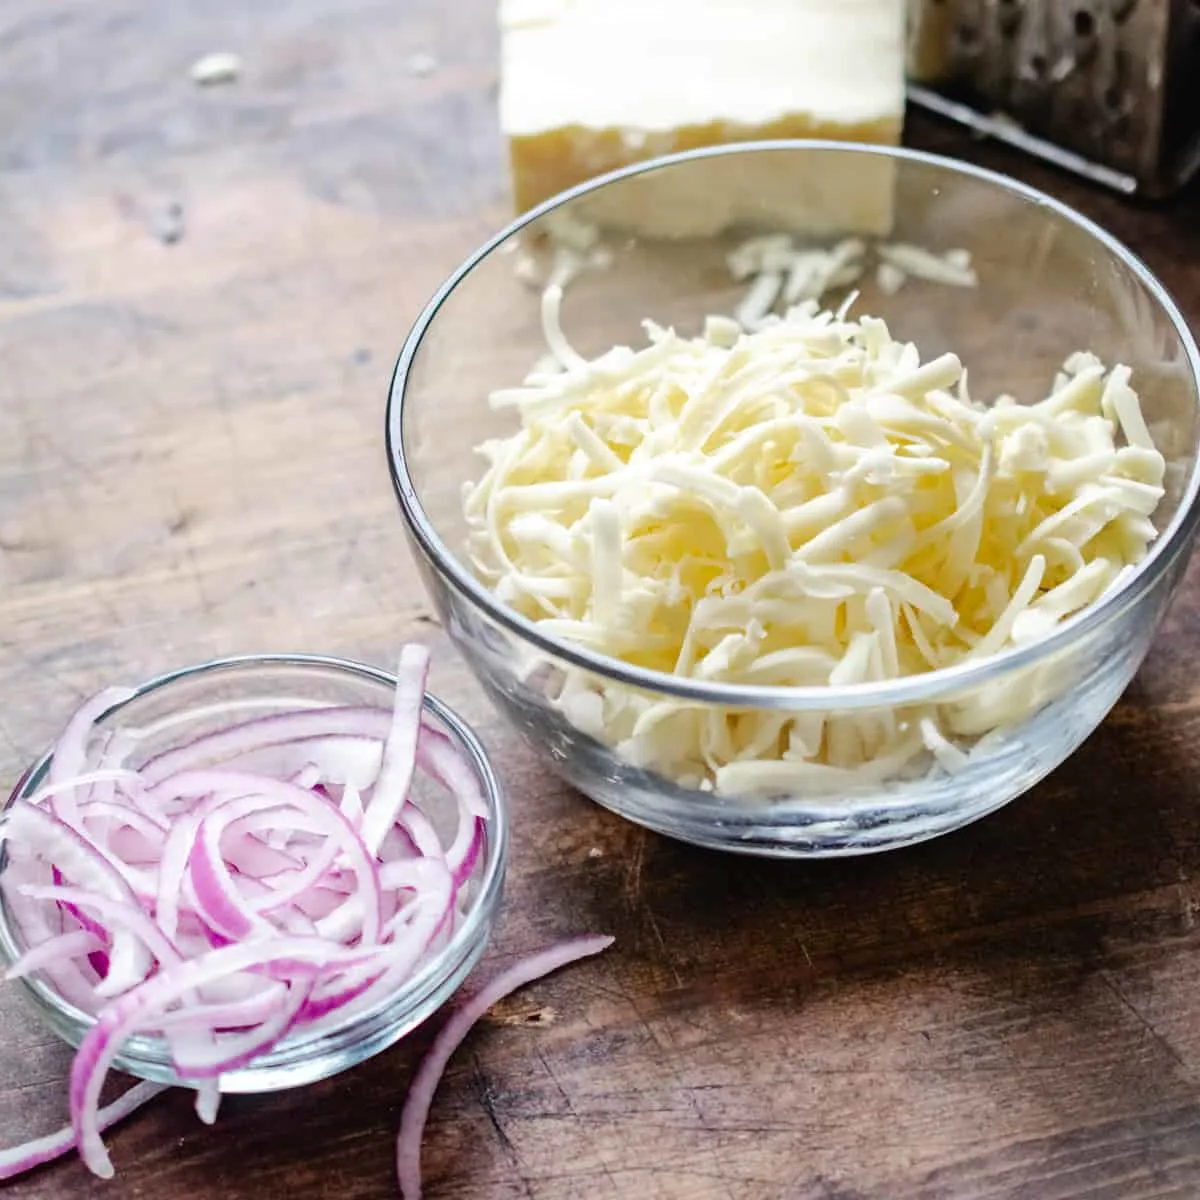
201 295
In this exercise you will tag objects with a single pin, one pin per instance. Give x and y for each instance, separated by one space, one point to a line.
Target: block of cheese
588 86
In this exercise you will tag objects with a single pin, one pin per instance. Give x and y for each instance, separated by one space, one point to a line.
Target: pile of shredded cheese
806 503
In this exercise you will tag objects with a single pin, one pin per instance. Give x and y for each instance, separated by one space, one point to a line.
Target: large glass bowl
1050 283
172 710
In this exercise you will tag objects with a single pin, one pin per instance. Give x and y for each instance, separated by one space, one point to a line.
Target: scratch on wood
652 921
661 1039
488 1100
96 593
633 873
562 1091
206 606
181 527
8 737
28 435
40 667
1142 1019
84 470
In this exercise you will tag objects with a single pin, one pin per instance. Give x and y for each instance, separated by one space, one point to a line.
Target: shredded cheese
803 503
782 272
577 247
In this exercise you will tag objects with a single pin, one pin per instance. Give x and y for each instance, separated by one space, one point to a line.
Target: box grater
1107 88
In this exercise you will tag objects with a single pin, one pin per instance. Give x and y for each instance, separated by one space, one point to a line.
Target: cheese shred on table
804 504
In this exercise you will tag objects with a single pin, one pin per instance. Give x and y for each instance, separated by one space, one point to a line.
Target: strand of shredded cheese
805 503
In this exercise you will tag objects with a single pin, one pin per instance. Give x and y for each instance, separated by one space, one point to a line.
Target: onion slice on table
40 1151
452 1035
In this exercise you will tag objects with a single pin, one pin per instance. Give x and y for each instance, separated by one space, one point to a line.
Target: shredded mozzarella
782 272
803 502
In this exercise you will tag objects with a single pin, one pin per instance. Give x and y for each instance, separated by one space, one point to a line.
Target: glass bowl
175 708
1050 282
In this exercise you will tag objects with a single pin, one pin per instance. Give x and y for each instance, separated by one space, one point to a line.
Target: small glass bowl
196 700
1050 282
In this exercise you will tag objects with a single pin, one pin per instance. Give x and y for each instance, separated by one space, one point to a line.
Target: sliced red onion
153 828
35 923
83 864
438 755
208 1101
390 791
65 946
139 1008
71 751
283 729
136 850
309 814
338 759
287 887
269 878
231 1051
98 958
177 850
226 1016
463 853
420 1092
101 775
351 805
420 829
123 918
21 1159
411 933
308 777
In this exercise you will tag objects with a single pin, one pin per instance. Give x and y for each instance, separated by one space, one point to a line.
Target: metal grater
1109 89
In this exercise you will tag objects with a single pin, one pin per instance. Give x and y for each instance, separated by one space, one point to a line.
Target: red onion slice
287 887
422 833
283 729
102 775
339 759
71 751
73 979
177 850
441 758
81 863
400 750
208 1101
231 1051
226 1016
65 946
351 805
119 814
124 919
36 1153
452 1035
412 933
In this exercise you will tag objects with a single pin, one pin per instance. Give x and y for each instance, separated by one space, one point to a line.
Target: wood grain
191 463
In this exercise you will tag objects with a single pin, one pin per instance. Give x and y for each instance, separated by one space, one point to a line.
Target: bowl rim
431 976
910 689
